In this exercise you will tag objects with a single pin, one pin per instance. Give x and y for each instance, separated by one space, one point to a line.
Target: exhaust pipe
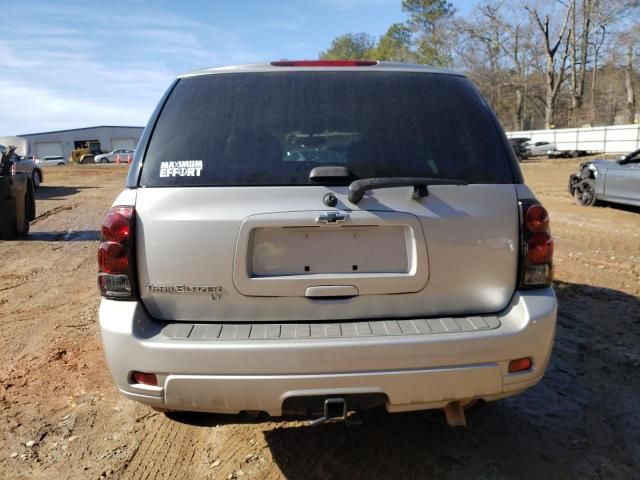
455 415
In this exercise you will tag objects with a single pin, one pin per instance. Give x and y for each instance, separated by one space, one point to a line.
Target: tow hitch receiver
334 409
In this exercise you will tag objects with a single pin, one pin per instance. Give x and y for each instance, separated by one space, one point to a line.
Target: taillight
116 277
536 262
536 218
324 63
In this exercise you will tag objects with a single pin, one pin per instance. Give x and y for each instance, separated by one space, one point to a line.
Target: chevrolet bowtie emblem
331 217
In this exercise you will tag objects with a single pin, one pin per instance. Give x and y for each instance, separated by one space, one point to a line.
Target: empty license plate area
330 250
284 254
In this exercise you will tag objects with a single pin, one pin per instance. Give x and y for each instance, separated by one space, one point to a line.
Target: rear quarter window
273 128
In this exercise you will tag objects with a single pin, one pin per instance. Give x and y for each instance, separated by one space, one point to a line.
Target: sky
69 64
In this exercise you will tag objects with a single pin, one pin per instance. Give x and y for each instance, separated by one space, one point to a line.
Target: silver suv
321 237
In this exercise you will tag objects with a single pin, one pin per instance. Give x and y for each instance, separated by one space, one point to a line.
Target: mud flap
17 206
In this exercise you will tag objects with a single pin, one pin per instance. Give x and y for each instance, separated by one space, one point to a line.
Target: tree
629 47
426 18
554 70
579 40
495 47
589 26
395 45
424 15
351 46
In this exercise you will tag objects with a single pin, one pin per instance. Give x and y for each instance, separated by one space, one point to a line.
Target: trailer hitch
336 409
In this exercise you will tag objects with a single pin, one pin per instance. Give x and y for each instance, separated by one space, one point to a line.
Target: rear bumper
413 370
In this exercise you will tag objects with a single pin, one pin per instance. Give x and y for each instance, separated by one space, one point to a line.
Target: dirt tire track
53 211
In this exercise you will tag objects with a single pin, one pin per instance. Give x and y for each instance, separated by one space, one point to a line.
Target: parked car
567 153
517 143
537 149
616 181
53 160
24 165
407 266
111 156
29 166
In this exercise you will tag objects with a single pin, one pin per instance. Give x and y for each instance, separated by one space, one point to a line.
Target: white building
62 142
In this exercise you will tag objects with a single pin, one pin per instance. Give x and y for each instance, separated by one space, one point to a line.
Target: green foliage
420 39
431 50
424 15
395 45
351 46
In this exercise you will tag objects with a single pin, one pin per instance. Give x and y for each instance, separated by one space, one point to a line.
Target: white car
124 153
536 149
400 261
53 160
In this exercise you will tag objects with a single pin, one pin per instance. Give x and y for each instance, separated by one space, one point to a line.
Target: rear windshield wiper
420 184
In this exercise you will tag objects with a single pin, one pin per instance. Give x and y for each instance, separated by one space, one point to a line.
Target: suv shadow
48 192
66 236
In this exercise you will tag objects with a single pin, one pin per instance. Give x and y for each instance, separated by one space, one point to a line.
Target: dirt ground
61 416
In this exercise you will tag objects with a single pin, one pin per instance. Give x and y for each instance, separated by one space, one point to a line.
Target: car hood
597 165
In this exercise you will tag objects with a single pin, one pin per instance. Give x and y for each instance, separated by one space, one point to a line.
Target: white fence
614 139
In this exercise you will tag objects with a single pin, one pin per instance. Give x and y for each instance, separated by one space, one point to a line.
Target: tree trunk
550 106
631 94
518 110
554 78
594 78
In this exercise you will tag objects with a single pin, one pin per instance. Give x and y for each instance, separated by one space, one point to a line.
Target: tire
575 154
61 163
36 178
104 160
585 193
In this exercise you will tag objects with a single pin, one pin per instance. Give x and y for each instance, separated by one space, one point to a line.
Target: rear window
274 128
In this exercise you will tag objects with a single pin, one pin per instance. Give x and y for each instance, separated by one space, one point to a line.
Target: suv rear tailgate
461 246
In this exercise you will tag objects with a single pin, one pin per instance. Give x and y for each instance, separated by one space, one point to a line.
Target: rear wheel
585 192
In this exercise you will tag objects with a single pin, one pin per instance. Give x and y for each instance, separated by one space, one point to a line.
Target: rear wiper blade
420 184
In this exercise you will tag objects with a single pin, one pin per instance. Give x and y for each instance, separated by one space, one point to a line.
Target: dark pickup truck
17 199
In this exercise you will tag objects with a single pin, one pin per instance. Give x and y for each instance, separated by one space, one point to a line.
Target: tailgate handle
331 291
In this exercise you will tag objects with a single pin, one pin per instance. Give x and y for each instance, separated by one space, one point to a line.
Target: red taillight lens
145 378
520 365
324 63
540 248
115 254
116 225
537 219
112 258
536 263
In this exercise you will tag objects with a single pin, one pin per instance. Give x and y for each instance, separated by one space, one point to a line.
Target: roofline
267 67
75 129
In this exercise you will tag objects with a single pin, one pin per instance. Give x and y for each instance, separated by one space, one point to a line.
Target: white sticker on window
184 168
